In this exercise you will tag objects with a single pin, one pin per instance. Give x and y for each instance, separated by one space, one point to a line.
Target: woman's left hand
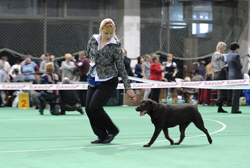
131 94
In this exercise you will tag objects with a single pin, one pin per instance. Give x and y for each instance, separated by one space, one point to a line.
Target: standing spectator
105 54
234 72
28 69
16 65
209 68
220 73
138 69
156 74
56 65
146 73
3 76
49 96
68 67
44 62
127 62
83 67
69 100
6 67
201 70
169 76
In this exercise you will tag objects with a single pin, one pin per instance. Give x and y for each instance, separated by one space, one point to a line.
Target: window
202 11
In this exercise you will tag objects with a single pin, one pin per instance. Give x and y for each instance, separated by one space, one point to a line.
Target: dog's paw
147 145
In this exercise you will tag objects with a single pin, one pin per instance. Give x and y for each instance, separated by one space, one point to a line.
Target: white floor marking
107 146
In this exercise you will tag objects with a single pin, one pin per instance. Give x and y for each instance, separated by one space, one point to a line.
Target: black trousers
82 93
97 98
235 100
155 93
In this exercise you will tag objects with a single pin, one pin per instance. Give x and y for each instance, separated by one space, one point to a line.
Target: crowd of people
101 73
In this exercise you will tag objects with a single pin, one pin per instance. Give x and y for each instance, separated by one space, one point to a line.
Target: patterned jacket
109 61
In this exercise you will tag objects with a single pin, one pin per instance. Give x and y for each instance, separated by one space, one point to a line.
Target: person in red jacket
156 74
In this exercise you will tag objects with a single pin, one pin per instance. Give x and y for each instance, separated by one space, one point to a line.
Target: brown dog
166 116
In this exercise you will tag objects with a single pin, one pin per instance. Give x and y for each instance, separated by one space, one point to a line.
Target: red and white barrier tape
226 84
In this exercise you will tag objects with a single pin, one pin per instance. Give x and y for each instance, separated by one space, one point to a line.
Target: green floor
28 140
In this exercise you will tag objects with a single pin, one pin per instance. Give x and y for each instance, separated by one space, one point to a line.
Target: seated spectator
69 100
17 76
49 96
187 92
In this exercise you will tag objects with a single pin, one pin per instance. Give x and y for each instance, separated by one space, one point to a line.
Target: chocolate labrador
166 116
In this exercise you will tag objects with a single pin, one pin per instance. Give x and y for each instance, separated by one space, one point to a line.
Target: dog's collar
154 122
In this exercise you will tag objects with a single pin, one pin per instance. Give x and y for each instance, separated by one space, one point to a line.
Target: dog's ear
154 104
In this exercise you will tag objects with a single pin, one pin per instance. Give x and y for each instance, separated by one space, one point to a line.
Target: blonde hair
170 55
107 23
220 46
187 79
68 55
49 67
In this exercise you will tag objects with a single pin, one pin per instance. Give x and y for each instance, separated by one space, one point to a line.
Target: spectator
44 62
201 70
18 77
68 67
3 76
69 100
56 65
138 69
28 69
205 94
234 72
156 74
220 73
49 96
209 68
196 77
83 67
34 93
169 76
146 73
127 62
6 67
16 65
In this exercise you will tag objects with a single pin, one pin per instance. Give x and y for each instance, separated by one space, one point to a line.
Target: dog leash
134 98
153 122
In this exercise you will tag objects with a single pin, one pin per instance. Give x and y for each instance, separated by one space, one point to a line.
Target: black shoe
236 112
81 111
109 138
220 110
96 141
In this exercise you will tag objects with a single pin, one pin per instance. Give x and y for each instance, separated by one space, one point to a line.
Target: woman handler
106 62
